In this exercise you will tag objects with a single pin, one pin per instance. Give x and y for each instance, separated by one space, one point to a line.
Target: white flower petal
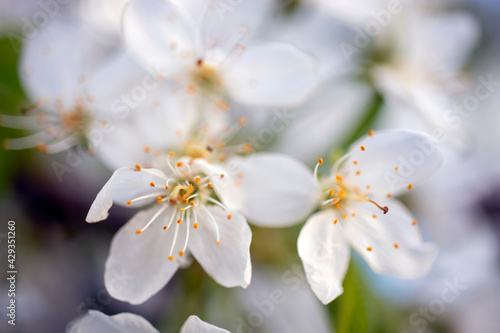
195 325
278 190
414 154
227 261
118 145
157 33
332 113
390 243
271 75
52 63
451 35
138 265
97 322
226 188
125 184
115 83
325 254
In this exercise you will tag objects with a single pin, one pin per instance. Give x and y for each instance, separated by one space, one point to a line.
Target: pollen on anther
191 203
138 167
335 200
129 203
179 164
195 225
181 253
355 162
229 216
362 148
396 246
209 184
171 258
152 184
197 179
171 153
138 231
320 161
331 192
370 132
242 121
165 228
159 199
183 210
369 248
179 221
410 186
335 221
217 242
339 178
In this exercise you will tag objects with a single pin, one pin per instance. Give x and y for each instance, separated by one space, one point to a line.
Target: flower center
337 193
58 129
188 194
206 78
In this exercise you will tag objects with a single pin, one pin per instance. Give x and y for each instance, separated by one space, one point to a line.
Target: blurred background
453 47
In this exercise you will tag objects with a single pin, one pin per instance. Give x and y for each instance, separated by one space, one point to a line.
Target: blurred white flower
166 35
187 215
70 105
356 207
425 70
97 322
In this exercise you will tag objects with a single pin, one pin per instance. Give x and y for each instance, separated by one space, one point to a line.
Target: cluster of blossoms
164 105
